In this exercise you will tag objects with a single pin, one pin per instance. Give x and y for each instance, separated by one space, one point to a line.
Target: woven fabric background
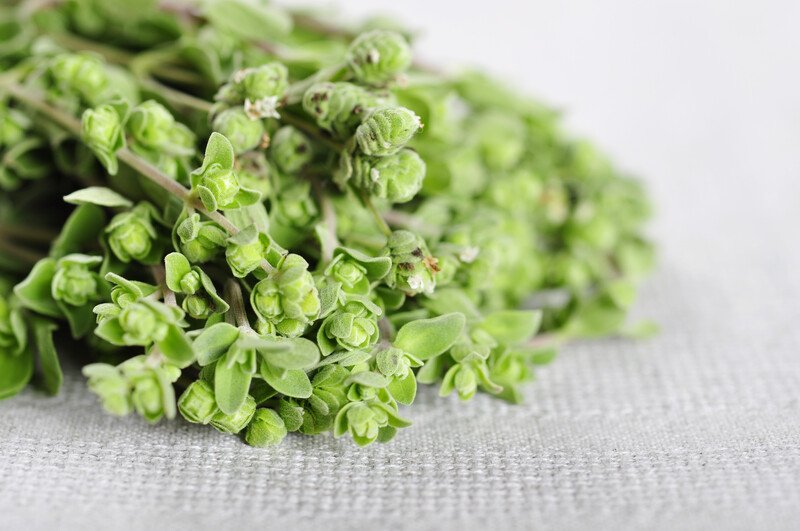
698 428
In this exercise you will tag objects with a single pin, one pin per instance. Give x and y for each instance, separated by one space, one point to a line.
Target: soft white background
696 429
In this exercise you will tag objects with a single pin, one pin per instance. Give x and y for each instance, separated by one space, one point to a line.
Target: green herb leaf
293 382
98 195
213 342
15 372
427 338
512 326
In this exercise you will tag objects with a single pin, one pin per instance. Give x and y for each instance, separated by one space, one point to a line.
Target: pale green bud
397 177
266 429
113 389
290 149
413 268
245 258
265 81
338 107
131 235
149 396
141 325
387 130
288 300
354 326
200 241
150 125
378 56
81 73
74 283
197 306
197 403
101 130
351 274
222 183
244 133
236 422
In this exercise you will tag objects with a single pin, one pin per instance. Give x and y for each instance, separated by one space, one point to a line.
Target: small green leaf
345 358
368 379
395 420
512 326
111 331
377 267
177 266
386 434
293 383
15 372
168 402
98 195
220 305
483 377
231 384
404 390
81 319
245 198
213 342
208 198
340 424
248 20
176 347
35 291
431 371
452 300
426 338
218 151
82 228
301 354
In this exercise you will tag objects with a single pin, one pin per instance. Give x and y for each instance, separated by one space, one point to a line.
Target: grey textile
698 428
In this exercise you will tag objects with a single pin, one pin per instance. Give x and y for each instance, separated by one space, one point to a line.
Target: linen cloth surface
698 428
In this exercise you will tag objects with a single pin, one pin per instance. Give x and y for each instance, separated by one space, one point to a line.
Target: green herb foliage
268 225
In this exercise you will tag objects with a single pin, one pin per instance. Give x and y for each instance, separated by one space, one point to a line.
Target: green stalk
73 126
143 65
35 234
20 253
118 56
234 298
379 221
296 91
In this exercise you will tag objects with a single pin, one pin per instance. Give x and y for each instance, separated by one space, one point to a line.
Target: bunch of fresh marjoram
241 214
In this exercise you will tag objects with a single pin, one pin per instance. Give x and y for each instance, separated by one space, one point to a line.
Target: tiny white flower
415 282
469 254
374 174
373 56
239 75
263 108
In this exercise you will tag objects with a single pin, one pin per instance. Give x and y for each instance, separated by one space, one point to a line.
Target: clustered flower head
299 248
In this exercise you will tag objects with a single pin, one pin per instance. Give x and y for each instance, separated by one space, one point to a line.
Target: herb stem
35 234
295 92
328 238
121 57
76 43
233 295
405 220
160 275
311 130
73 126
379 221
20 253
143 65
